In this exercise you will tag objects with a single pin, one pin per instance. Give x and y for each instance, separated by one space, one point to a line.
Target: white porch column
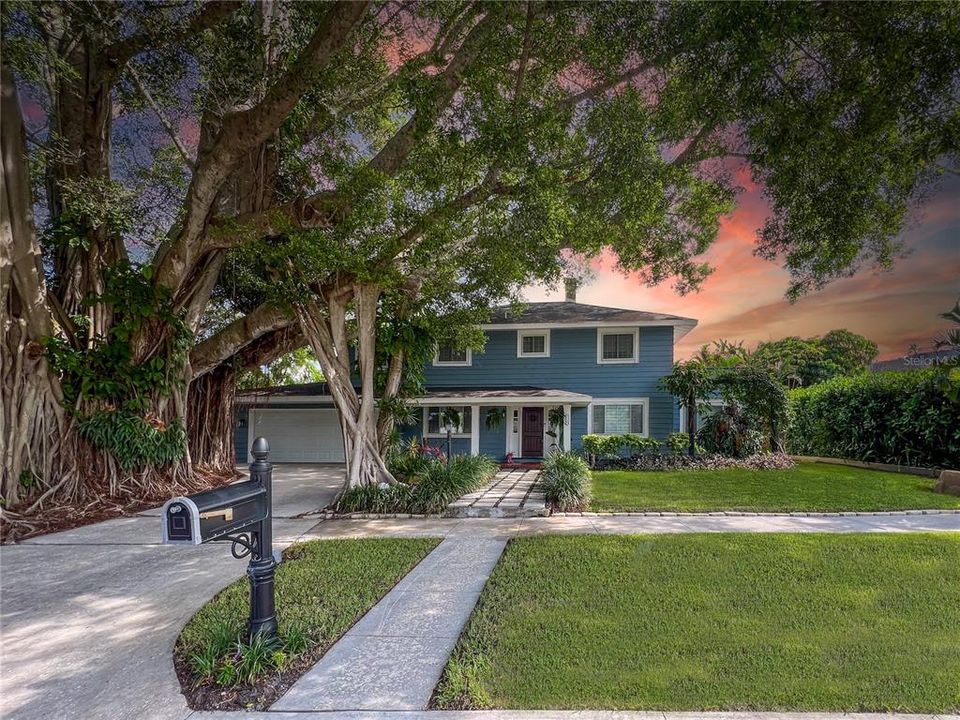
475 430
567 429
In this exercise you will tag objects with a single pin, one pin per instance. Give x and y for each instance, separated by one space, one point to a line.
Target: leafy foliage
603 447
891 417
801 362
677 442
429 487
134 440
702 461
566 481
110 388
730 432
298 366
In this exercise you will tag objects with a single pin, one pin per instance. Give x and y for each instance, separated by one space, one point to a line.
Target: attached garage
298 435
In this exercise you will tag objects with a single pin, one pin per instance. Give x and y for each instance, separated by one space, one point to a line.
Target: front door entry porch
531 432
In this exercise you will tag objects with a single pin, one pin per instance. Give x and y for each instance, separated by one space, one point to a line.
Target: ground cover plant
716 622
889 417
566 481
323 587
429 486
813 487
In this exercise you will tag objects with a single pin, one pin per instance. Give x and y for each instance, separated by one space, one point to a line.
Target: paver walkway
510 493
393 657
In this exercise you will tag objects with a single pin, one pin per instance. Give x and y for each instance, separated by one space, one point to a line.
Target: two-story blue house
599 366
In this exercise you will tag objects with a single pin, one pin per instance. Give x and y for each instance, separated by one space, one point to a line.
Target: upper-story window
454 357
618 345
533 343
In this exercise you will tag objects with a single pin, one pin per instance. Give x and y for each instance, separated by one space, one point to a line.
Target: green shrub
566 481
678 442
605 447
427 487
440 486
891 417
730 432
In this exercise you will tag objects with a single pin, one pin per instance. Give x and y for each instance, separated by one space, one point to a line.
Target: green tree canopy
361 159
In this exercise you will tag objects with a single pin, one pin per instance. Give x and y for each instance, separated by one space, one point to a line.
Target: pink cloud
744 298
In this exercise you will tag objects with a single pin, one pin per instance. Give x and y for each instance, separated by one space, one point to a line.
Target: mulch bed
260 696
56 518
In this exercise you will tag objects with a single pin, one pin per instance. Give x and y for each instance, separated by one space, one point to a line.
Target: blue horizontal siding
493 442
572 366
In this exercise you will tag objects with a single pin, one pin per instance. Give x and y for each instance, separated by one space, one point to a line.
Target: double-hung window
620 416
459 415
618 345
533 343
452 356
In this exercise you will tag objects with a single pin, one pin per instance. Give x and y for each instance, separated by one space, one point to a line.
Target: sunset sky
744 298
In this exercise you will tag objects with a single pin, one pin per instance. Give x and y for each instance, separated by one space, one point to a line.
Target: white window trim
618 331
644 401
442 434
521 334
437 362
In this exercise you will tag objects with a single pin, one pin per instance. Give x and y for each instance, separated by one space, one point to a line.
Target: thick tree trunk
326 331
210 421
37 439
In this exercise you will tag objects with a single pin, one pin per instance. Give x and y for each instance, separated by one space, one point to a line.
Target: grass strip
763 622
808 487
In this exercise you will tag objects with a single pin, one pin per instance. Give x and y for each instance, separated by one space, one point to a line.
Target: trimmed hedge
611 446
900 418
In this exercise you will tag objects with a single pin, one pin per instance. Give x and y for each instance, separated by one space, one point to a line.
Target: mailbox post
243 514
263 565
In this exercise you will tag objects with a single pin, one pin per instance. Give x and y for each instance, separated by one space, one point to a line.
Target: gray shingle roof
575 312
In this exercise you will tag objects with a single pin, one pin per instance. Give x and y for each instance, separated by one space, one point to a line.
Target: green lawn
322 588
716 622
806 487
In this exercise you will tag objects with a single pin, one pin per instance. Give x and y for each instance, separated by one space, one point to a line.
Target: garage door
299 435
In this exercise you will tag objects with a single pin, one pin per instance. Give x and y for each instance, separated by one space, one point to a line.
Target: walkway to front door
511 493
531 436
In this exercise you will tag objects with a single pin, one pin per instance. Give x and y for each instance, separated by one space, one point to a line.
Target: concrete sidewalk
393 657
90 616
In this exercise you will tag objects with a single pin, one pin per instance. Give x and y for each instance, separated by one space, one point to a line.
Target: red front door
531 434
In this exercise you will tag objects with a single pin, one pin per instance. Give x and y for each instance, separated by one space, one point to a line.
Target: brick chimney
570 289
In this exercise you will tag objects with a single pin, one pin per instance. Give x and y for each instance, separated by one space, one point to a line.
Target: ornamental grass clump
566 481
428 486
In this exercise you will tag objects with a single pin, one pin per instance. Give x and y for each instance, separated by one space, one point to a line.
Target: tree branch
210 13
601 87
242 131
167 125
209 353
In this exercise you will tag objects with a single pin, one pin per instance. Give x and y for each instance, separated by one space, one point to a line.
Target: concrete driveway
89 616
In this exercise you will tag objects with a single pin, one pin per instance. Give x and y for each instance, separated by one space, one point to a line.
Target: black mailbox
242 514
213 514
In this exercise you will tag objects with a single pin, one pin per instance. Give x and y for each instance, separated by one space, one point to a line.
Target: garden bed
772 622
807 487
323 587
